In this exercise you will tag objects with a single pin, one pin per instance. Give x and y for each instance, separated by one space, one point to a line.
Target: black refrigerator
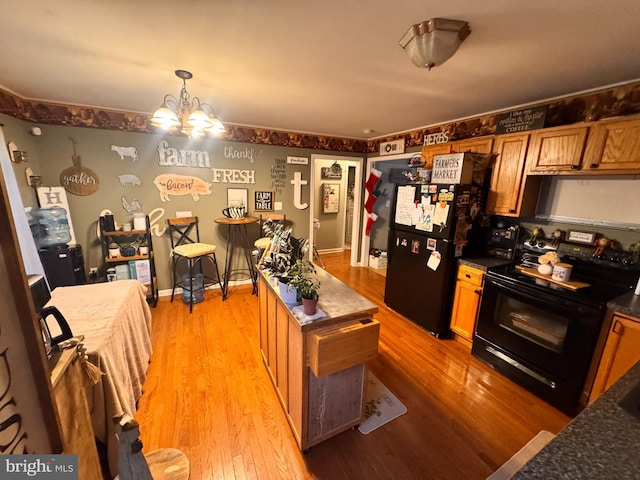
430 226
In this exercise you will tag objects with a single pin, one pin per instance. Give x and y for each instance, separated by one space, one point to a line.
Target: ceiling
331 67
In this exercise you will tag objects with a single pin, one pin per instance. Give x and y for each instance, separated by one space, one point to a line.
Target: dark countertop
629 304
602 442
483 263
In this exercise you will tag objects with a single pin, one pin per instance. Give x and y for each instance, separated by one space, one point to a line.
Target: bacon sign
172 184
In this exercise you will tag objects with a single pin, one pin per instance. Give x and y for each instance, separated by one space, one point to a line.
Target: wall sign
521 120
435 138
263 201
278 174
79 180
230 175
234 153
123 152
173 184
333 172
331 197
172 157
56 197
390 148
298 160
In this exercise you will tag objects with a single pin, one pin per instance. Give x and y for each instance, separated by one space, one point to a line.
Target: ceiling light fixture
433 42
192 118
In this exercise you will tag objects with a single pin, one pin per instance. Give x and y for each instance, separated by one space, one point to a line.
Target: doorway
334 216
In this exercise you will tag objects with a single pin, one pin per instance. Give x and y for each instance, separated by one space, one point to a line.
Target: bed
115 319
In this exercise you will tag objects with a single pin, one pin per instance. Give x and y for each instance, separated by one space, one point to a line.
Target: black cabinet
130 252
63 265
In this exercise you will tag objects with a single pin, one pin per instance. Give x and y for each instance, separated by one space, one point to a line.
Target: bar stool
185 245
262 244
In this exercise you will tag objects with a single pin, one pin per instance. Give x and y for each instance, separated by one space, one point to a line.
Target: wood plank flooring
208 394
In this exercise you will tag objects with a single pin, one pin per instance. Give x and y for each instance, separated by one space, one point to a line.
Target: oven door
544 330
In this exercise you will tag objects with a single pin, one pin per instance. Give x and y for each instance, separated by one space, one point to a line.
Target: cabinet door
621 352
466 302
556 149
475 145
613 146
263 295
507 178
430 151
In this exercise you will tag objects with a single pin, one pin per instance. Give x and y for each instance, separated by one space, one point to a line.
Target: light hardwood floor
208 394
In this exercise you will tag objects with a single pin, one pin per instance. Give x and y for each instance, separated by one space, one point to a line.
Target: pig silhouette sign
171 184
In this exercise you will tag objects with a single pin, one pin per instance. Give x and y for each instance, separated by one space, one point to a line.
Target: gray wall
50 153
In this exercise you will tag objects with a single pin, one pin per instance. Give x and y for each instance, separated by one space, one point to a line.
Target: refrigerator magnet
415 246
432 243
434 260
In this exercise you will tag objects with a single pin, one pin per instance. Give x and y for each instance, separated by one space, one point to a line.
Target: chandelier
181 114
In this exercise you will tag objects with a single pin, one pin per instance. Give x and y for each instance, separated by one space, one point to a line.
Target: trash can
197 291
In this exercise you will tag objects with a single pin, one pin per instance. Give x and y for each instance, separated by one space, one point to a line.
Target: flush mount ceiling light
190 117
432 42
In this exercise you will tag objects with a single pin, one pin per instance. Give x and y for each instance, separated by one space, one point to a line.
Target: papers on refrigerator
434 260
405 205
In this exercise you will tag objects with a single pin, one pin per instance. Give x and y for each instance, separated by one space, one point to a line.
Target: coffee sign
521 120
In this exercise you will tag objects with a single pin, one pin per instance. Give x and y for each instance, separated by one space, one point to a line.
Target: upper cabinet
554 150
430 151
475 145
512 193
613 146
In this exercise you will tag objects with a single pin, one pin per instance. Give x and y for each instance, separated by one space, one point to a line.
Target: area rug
382 406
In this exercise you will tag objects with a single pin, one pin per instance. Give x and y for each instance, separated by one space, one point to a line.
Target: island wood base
318 369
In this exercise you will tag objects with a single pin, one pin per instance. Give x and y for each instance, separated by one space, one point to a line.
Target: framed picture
263 201
332 172
237 197
331 197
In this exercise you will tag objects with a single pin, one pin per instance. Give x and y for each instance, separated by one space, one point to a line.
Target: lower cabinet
318 369
466 303
621 352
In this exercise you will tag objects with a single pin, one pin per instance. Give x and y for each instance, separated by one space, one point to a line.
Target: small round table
237 231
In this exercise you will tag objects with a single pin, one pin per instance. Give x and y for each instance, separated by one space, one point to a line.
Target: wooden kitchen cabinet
318 368
512 193
621 352
556 150
466 302
613 146
475 145
430 151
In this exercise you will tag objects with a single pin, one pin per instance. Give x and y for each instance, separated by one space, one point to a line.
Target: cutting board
571 285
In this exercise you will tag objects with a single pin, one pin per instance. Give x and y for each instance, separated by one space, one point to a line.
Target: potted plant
284 252
114 250
302 277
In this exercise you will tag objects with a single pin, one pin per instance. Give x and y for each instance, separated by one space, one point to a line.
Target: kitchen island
317 364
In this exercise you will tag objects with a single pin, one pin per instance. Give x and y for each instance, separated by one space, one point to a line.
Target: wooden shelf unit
121 237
